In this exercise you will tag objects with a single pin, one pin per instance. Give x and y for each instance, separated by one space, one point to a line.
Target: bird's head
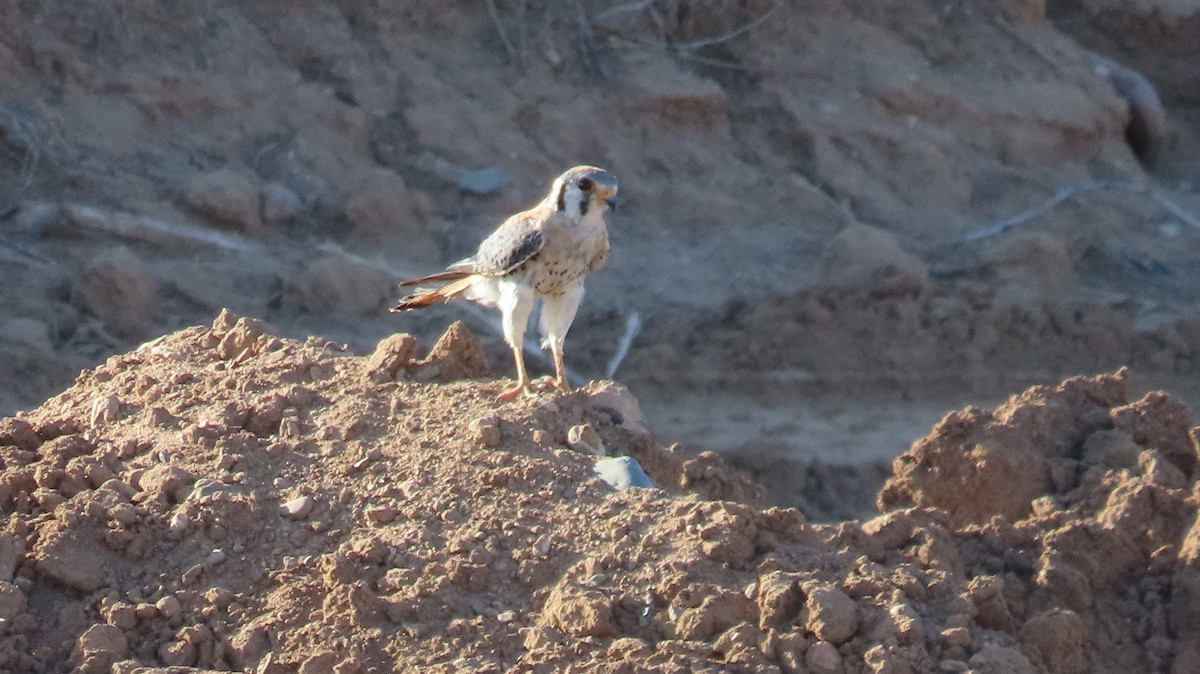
584 189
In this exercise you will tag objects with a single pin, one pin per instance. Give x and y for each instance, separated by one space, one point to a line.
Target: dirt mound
224 498
294 168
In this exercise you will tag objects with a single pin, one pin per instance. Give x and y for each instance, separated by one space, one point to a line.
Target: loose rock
297 508
823 658
623 472
580 613
584 438
832 615
391 354
486 431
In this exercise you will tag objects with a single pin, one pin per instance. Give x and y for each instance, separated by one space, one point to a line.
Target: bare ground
838 221
224 498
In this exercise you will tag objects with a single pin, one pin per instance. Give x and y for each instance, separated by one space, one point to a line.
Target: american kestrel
544 254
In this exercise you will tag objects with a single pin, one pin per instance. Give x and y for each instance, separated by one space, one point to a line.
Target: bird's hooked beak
609 195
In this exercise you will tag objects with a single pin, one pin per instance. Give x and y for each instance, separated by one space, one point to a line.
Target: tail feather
460 269
428 296
448 275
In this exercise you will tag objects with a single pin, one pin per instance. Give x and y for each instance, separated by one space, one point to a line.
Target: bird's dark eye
586 184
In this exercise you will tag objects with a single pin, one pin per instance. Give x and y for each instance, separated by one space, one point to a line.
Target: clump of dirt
1088 503
224 498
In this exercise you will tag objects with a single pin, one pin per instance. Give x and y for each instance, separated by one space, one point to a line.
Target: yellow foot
549 383
510 393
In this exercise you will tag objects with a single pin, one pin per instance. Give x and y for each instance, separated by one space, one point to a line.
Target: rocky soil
838 220
224 498
795 177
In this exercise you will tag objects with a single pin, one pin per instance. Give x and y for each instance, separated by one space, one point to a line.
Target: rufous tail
428 296
447 275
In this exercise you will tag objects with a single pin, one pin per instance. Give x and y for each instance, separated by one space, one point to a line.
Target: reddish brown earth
803 190
223 498
797 180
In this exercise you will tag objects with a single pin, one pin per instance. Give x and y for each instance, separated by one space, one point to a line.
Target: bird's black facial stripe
583 206
562 197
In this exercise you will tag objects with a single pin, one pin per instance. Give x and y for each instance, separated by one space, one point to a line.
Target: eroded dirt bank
798 180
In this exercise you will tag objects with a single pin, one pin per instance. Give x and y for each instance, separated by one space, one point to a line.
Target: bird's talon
541 384
510 393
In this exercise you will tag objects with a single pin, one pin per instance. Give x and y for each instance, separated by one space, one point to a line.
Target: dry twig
633 325
725 37
495 14
1076 189
636 6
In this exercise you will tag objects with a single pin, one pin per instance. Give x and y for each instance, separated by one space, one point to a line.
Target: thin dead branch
495 14
725 37
1075 190
842 208
18 136
633 325
627 7
17 254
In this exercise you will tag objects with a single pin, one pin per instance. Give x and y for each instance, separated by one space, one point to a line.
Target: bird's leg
558 312
560 370
522 379
516 303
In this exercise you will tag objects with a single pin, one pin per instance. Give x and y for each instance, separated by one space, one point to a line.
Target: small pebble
542 544
205 488
119 487
584 438
179 523
105 409
192 575
823 657
506 616
215 557
486 431
122 616
146 611
956 636
297 508
169 607
622 472
382 514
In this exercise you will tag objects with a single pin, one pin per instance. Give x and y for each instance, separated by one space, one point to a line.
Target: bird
543 253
